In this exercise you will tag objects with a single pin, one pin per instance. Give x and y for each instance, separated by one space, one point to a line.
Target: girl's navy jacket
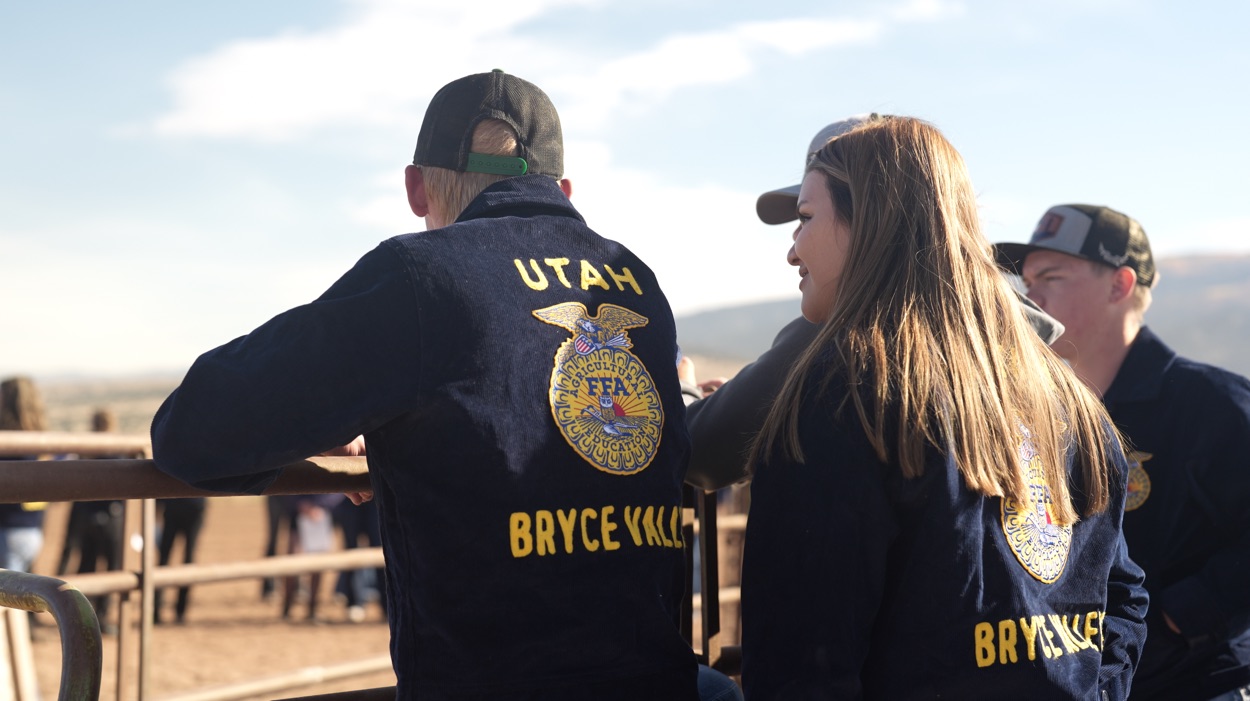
1187 520
860 584
514 377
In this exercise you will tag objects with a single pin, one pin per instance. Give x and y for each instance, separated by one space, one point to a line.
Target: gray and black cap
1099 234
455 111
781 205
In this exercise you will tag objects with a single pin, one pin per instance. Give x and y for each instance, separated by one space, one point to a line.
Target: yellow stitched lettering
519 534
591 276
1050 648
557 264
1102 631
1074 632
590 543
984 635
606 528
540 283
648 525
1056 635
566 527
1007 641
631 523
548 532
625 276
1030 636
675 528
1061 631
659 527
1091 629
544 532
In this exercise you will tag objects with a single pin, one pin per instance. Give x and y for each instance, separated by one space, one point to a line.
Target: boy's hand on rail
354 449
710 386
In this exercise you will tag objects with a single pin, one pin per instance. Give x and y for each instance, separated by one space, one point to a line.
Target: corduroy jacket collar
1141 375
520 195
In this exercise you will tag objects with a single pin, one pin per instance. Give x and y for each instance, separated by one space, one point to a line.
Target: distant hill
1201 308
737 333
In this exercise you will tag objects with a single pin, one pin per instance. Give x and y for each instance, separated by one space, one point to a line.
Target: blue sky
173 174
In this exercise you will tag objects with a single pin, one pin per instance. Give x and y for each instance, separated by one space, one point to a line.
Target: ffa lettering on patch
1138 480
1040 544
602 397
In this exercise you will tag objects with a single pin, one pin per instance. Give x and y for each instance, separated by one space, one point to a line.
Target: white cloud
927 10
373 70
643 79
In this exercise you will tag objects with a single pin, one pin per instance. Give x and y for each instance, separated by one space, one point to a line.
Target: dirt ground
230 635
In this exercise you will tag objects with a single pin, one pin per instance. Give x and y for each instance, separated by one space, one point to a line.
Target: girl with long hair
937 499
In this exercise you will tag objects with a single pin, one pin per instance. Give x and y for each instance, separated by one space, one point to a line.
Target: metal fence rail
139 482
16 444
79 480
82 657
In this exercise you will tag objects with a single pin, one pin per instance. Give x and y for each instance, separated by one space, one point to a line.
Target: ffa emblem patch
1138 480
1040 544
602 397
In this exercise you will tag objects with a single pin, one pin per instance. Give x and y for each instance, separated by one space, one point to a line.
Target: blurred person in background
361 528
181 518
94 530
21 525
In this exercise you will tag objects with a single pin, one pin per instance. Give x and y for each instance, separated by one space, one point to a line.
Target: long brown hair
21 406
928 334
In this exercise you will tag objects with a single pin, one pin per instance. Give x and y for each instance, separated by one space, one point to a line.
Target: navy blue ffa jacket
514 377
860 584
1187 520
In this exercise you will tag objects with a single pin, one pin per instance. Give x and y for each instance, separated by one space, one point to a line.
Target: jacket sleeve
1213 604
723 424
817 564
1124 628
308 380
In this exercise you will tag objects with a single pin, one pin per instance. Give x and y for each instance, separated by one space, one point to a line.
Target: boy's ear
414 184
1122 282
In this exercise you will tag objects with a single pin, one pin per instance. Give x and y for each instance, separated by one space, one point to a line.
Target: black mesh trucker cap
455 110
1100 234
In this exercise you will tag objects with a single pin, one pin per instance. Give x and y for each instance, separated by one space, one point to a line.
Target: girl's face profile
821 245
